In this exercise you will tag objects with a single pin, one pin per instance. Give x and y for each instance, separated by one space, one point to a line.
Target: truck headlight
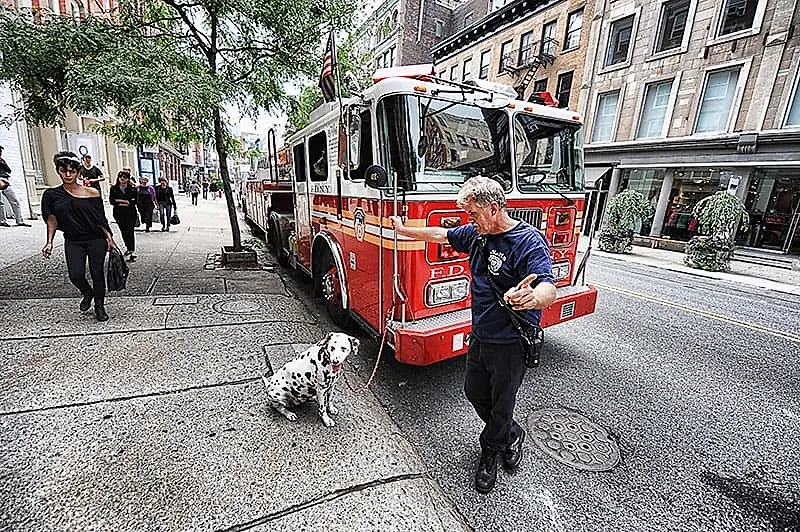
447 292
561 270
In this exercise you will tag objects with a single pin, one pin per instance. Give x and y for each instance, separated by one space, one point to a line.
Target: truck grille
531 217
567 310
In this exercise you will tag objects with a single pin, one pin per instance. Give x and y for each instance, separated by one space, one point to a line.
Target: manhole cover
572 439
238 307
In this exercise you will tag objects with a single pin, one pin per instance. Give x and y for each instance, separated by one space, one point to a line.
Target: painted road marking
760 328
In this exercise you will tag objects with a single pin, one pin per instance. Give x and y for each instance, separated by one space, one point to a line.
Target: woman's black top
80 219
117 193
165 195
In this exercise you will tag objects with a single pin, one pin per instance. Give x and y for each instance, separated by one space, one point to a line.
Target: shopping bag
117 274
138 220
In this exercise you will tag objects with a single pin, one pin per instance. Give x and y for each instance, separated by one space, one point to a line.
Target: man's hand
523 296
397 223
47 250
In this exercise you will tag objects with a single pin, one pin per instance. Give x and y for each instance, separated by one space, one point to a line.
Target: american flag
326 79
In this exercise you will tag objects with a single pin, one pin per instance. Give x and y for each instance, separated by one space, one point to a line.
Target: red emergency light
544 98
421 72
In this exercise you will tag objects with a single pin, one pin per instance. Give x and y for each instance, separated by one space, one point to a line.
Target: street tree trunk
222 155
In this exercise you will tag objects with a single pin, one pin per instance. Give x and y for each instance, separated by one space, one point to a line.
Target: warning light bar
421 72
544 98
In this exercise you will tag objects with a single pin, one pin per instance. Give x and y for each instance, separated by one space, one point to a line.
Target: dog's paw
329 422
291 416
332 410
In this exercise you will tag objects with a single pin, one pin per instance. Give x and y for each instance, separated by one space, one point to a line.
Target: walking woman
145 202
123 197
77 211
166 202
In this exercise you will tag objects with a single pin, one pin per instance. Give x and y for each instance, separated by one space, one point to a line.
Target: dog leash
384 336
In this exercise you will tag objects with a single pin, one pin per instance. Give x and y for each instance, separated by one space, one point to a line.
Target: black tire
332 292
277 248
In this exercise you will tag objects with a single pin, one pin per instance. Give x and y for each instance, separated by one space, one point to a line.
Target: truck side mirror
376 177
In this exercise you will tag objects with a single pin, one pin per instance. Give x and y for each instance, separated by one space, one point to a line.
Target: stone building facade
531 45
688 97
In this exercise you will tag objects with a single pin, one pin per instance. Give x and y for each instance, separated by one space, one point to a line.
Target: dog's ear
324 341
354 343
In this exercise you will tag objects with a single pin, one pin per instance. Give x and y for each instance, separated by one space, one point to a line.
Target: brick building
532 45
688 97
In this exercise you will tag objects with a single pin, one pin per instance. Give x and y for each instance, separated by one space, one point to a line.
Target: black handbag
531 334
174 220
117 274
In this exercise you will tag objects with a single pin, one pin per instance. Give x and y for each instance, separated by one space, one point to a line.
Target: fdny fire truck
404 146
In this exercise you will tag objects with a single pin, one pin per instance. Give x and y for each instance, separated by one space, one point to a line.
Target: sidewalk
748 273
156 419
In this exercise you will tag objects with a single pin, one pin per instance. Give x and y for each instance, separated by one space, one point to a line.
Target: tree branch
198 36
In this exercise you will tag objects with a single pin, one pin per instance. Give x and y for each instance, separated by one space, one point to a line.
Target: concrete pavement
156 419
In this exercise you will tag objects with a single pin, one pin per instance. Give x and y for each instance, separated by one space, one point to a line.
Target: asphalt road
697 380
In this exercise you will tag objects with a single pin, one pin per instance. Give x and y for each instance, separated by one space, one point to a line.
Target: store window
793 118
564 89
572 39
689 186
605 116
773 203
717 102
486 58
619 41
647 182
654 110
737 15
549 39
672 25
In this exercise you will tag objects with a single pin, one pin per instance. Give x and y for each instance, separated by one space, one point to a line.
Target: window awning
592 174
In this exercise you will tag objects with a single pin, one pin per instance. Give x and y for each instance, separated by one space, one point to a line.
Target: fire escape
528 63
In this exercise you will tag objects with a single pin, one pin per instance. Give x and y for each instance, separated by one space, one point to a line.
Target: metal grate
567 310
530 216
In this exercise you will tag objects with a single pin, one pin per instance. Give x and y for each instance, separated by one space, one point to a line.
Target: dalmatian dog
311 375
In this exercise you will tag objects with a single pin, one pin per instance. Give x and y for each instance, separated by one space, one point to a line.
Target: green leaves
719 216
624 210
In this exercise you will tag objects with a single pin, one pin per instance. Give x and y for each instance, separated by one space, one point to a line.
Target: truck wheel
277 248
332 292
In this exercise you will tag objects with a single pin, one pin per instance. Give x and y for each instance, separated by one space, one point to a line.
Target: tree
719 217
625 209
166 68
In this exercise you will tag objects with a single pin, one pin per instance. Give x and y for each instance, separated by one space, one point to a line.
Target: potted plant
719 216
624 210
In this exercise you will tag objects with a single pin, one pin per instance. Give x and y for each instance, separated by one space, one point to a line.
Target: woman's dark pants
146 213
494 374
126 220
76 254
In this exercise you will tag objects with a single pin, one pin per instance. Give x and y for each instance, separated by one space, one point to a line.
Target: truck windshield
548 154
436 145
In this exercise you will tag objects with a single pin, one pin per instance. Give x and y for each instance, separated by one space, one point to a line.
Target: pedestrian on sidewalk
77 211
166 202
213 189
123 197
205 189
91 174
508 259
10 196
194 191
146 203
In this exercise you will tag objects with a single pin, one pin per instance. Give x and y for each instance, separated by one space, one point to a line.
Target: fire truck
404 146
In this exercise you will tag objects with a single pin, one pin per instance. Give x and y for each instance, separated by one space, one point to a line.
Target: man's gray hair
483 191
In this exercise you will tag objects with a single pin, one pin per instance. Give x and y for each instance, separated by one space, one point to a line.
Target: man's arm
525 297
437 235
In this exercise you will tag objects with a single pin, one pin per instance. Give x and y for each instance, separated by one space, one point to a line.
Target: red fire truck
404 146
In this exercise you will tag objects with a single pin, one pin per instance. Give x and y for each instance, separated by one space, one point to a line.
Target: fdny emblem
496 260
359 219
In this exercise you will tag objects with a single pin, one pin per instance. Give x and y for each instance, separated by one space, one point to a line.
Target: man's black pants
76 254
494 374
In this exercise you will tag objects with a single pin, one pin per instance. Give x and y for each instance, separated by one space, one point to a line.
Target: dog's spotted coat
311 375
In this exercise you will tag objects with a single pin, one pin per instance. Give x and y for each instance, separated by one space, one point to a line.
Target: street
698 381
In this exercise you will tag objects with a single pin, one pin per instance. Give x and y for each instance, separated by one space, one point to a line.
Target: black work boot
513 455
86 302
100 313
486 475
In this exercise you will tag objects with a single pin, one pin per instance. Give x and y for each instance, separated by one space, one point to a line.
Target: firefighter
508 259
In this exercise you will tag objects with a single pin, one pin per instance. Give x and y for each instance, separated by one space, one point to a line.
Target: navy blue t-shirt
512 255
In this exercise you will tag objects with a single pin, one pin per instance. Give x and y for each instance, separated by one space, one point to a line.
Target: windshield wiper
558 191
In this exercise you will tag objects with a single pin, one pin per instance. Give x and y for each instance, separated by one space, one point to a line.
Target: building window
466 71
462 140
392 56
549 39
449 136
525 48
394 18
619 41
654 112
574 24
468 19
453 72
439 29
793 119
540 85
474 142
442 74
486 59
737 15
605 117
717 102
564 89
672 25
505 56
